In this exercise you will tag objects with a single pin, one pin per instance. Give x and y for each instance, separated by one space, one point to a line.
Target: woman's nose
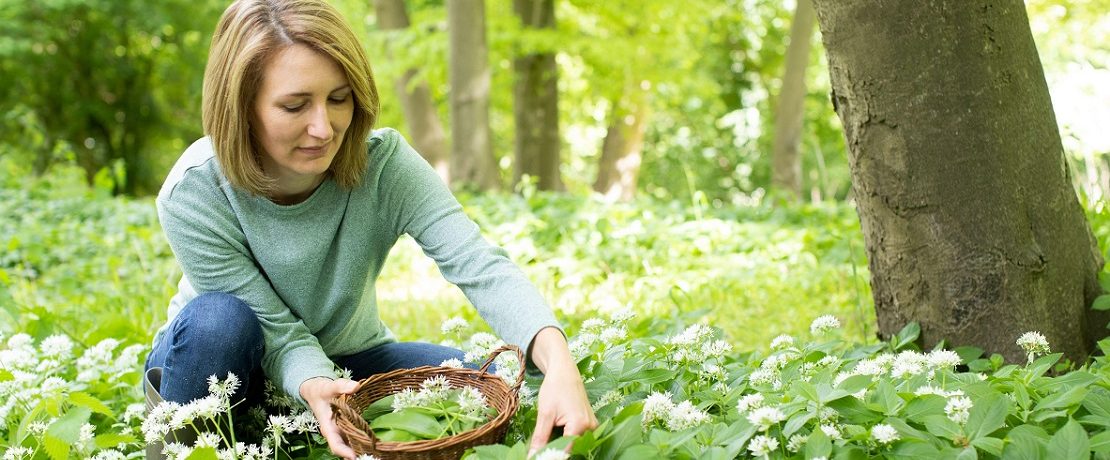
319 125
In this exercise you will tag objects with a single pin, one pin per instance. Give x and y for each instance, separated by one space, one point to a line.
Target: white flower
436 388
944 359
823 324
88 431
749 402
613 335
622 315
775 362
884 434
20 341
908 364
592 325
763 445
223 389
931 390
764 417
471 401
485 343
208 439
366 457
782 342
453 362
344 373
404 399
134 411
53 385
686 415
110 454
831 431
208 407
38 428
957 409
763 377
796 442
280 424
17 453
551 454
305 422
691 335
1034 343
453 325
716 348
608 398
657 406
56 346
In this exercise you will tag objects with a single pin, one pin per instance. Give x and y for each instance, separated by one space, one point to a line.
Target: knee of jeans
223 321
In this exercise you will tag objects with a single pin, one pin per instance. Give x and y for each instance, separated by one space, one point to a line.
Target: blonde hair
248 34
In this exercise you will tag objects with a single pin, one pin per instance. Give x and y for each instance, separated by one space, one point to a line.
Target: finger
335 440
544 422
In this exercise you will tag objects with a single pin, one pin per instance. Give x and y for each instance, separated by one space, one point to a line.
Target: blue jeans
217 333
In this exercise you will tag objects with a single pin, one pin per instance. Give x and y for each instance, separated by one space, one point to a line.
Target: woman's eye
293 108
340 99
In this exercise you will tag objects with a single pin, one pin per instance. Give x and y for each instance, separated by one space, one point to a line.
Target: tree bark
472 160
971 224
786 169
536 103
416 100
618 168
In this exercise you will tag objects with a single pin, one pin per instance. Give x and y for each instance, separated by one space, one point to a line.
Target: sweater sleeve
422 206
215 257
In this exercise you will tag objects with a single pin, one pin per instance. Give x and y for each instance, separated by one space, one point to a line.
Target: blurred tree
472 160
536 102
786 175
106 81
963 193
416 101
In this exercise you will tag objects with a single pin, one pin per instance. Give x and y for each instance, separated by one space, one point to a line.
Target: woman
282 217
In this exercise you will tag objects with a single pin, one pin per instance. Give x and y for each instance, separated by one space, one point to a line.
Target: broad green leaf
56 448
88 401
1101 302
1043 364
650 376
796 423
924 405
1097 403
639 452
1063 400
109 440
6 375
913 450
855 383
855 412
989 445
203 453
805 390
1101 442
818 445
887 398
826 393
968 353
392 435
940 425
987 415
968 453
378 408
1079 378
416 423
906 336
1070 443
1025 442
68 427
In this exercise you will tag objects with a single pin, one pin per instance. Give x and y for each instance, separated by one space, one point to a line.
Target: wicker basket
347 410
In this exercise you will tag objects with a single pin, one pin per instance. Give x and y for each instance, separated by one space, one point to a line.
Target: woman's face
301 112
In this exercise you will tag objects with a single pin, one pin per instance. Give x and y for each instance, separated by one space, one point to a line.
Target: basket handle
519 357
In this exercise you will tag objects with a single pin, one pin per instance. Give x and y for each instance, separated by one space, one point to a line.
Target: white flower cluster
884 434
695 345
437 390
762 445
551 454
766 417
958 409
904 365
1034 343
599 332
659 407
823 324
50 369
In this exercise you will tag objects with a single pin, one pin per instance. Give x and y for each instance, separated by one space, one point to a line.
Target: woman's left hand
562 399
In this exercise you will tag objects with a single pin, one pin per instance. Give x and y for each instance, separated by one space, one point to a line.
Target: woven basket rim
342 408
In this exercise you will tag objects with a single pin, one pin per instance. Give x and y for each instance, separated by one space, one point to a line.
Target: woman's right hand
319 392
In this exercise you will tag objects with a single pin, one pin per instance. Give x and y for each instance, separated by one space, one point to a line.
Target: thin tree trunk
417 107
536 103
971 224
621 153
786 172
472 160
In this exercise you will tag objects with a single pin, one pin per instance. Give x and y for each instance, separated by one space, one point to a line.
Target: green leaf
68 427
924 405
640 451
968 453
56 448
391 435
940 425
1064 400
968 353
378 408
854 411
1070 442
1025 442
987 415
203 453
86 400
1101 442
818 445
1102 302
887 398
422 425
109 440
796 423
906 336
650 376
1043 364
1098 404
913 450
805 390
855 383
989 445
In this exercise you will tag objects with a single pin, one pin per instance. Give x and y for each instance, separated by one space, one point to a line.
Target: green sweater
308 270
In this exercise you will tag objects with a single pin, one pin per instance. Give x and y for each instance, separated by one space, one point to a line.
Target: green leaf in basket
378 408
424 426
396 436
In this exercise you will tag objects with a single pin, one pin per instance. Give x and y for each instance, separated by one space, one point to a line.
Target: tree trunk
619 166
786 172
971 225
536 103
417 107
472 160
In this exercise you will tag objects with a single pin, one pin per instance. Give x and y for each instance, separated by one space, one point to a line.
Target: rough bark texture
417 107
472 160
786 172
536 103
971 224
619 166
